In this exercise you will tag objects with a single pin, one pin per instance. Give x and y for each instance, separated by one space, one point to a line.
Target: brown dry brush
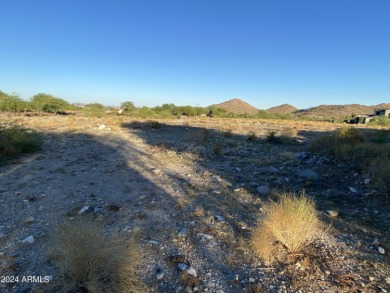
287 227
89 261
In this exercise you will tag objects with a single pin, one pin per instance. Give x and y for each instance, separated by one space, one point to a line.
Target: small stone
387 280
251 280
371 278
219 219
156 171
191 271
262 189
29 239
308 174
367 181
182 266
29 220
83 209
376 241
353 190
160 276
206 236
232 278
381 250
154 242
327 272
237 190
182 233
188 289
332 213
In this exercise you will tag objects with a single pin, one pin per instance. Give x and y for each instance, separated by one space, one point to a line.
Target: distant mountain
340 111
237 106
282 109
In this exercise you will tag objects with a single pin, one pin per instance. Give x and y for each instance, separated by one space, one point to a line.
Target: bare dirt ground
194 189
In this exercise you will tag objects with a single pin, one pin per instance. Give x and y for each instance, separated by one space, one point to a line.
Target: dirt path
193 192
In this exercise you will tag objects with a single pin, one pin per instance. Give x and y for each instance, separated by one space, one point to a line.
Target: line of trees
47 103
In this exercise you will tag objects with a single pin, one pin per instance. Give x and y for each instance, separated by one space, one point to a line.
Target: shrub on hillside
287 226
15 140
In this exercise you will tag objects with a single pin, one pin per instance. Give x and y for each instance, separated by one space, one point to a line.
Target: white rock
160 276
191 271
332 213
251 280
83 209
29 239
206 236
353 190
381 250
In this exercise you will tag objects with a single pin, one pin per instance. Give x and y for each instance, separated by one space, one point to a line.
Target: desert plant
271 137
91 262
16 140
251 136
290 224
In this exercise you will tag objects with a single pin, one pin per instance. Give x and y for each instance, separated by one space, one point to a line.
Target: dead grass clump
89 261
288 225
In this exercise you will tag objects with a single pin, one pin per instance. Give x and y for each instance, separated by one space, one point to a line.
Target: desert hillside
282 109
237 106
340 111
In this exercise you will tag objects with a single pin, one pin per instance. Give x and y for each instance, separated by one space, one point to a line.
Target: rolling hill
237 106
282 109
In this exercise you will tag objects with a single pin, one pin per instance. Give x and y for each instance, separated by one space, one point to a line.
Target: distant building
365 118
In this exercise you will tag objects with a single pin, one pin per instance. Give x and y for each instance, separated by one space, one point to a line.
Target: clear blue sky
197 52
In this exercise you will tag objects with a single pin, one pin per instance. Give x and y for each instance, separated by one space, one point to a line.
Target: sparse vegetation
350 145
251 136
89 261
289 225
16 140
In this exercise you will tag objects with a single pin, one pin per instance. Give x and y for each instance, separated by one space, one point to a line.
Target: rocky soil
194 191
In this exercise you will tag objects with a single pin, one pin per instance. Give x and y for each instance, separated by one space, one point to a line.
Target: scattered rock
84 209
155 171
308 174
29 239
381 250
191 271
182 233
29 220
367 181
182 266
219 219
262 189
353 190
206 236
332 213
160 276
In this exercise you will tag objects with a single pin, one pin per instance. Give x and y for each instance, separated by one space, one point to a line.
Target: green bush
15 140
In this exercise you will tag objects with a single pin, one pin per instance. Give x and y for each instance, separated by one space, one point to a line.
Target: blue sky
198 52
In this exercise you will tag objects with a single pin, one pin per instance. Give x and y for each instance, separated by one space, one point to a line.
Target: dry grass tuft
288 225
91 262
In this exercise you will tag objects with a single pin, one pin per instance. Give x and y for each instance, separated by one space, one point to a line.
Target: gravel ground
194 191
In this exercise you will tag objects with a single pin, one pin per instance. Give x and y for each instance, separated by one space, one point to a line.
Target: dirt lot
194 189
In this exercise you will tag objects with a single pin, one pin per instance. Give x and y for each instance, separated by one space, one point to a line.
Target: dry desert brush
287 227
91 262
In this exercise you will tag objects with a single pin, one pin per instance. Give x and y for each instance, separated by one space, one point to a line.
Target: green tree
11 103
127 106
48 103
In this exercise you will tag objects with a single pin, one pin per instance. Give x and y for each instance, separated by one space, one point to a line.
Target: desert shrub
155 124
349 145
271 137
251 136
16 140
228 133
288 225
89 261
